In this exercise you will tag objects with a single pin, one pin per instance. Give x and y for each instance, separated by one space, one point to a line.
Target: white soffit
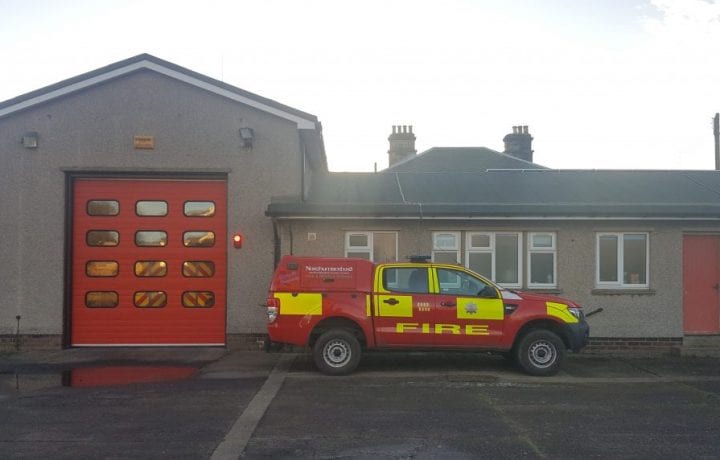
302 123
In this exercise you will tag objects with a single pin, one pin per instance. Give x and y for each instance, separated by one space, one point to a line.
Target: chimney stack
519 143
402 144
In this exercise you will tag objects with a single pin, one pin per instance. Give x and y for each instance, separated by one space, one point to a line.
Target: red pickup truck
340 306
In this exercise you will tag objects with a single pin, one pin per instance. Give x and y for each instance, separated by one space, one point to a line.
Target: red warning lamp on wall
237 240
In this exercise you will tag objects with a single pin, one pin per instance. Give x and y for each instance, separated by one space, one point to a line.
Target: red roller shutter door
149 262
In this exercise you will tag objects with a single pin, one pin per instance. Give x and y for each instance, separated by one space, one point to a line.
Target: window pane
102 238
481 262
101 299
198 239
608 258
150 299
198 299
150 268
151 238
506 259
459 283
199 209
480 241
151 208
445 257
542 268
101 268
542 241
358 240
103 208
634 258
359 255
445 241
384 247
198 269
390 279
406 279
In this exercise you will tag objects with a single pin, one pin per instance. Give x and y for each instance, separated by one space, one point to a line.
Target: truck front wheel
540 352
336 352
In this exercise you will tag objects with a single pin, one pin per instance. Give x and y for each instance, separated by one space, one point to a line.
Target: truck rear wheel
540 352
337 352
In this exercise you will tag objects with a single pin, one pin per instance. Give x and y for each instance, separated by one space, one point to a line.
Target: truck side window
456 282
406 279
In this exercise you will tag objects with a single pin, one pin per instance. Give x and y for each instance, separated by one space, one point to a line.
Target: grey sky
602 84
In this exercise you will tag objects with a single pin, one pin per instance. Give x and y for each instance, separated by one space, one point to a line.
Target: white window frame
455 247
531 249
469 249
369 249
620 284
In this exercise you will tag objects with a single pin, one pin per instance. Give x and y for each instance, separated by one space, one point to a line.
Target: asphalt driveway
212 403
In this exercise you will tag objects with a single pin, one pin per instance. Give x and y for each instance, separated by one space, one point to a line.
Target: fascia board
302 123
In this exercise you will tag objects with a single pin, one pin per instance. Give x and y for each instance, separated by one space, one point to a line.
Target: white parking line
233 446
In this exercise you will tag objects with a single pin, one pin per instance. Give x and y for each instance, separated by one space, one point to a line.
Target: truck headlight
576 312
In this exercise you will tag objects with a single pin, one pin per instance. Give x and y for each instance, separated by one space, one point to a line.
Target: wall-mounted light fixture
30 140
247 135
237 240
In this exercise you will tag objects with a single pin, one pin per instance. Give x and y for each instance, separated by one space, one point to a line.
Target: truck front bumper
578 335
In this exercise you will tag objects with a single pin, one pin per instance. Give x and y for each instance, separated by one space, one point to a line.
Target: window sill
623 291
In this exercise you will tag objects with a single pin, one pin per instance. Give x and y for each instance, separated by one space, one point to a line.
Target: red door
148 262
701 284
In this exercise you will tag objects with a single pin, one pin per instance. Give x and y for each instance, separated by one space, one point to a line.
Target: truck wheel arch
337 322
543 324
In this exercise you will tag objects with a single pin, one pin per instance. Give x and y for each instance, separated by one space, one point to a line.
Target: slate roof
538 193
461 159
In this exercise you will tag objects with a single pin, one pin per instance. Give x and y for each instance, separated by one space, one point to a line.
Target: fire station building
120 192
126 190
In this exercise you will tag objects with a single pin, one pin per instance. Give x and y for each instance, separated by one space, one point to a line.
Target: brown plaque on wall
144 142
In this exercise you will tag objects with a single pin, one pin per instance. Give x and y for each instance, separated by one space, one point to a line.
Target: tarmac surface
218 403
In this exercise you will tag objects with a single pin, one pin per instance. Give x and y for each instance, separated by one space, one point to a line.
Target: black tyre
540 352
337 352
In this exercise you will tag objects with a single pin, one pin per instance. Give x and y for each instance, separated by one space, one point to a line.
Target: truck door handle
717 287
391 301
448 304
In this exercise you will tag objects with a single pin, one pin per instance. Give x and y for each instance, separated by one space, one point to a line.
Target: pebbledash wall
90 131
646 317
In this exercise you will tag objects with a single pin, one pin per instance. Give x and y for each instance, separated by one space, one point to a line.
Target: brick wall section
654 345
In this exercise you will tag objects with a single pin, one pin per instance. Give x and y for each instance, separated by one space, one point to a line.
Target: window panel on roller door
100 238
198 299
199 239
198 269
102 268
150 299
151 238
151 208
150 268
199 209
102 208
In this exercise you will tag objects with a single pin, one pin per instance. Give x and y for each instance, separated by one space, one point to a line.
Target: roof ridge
133 64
